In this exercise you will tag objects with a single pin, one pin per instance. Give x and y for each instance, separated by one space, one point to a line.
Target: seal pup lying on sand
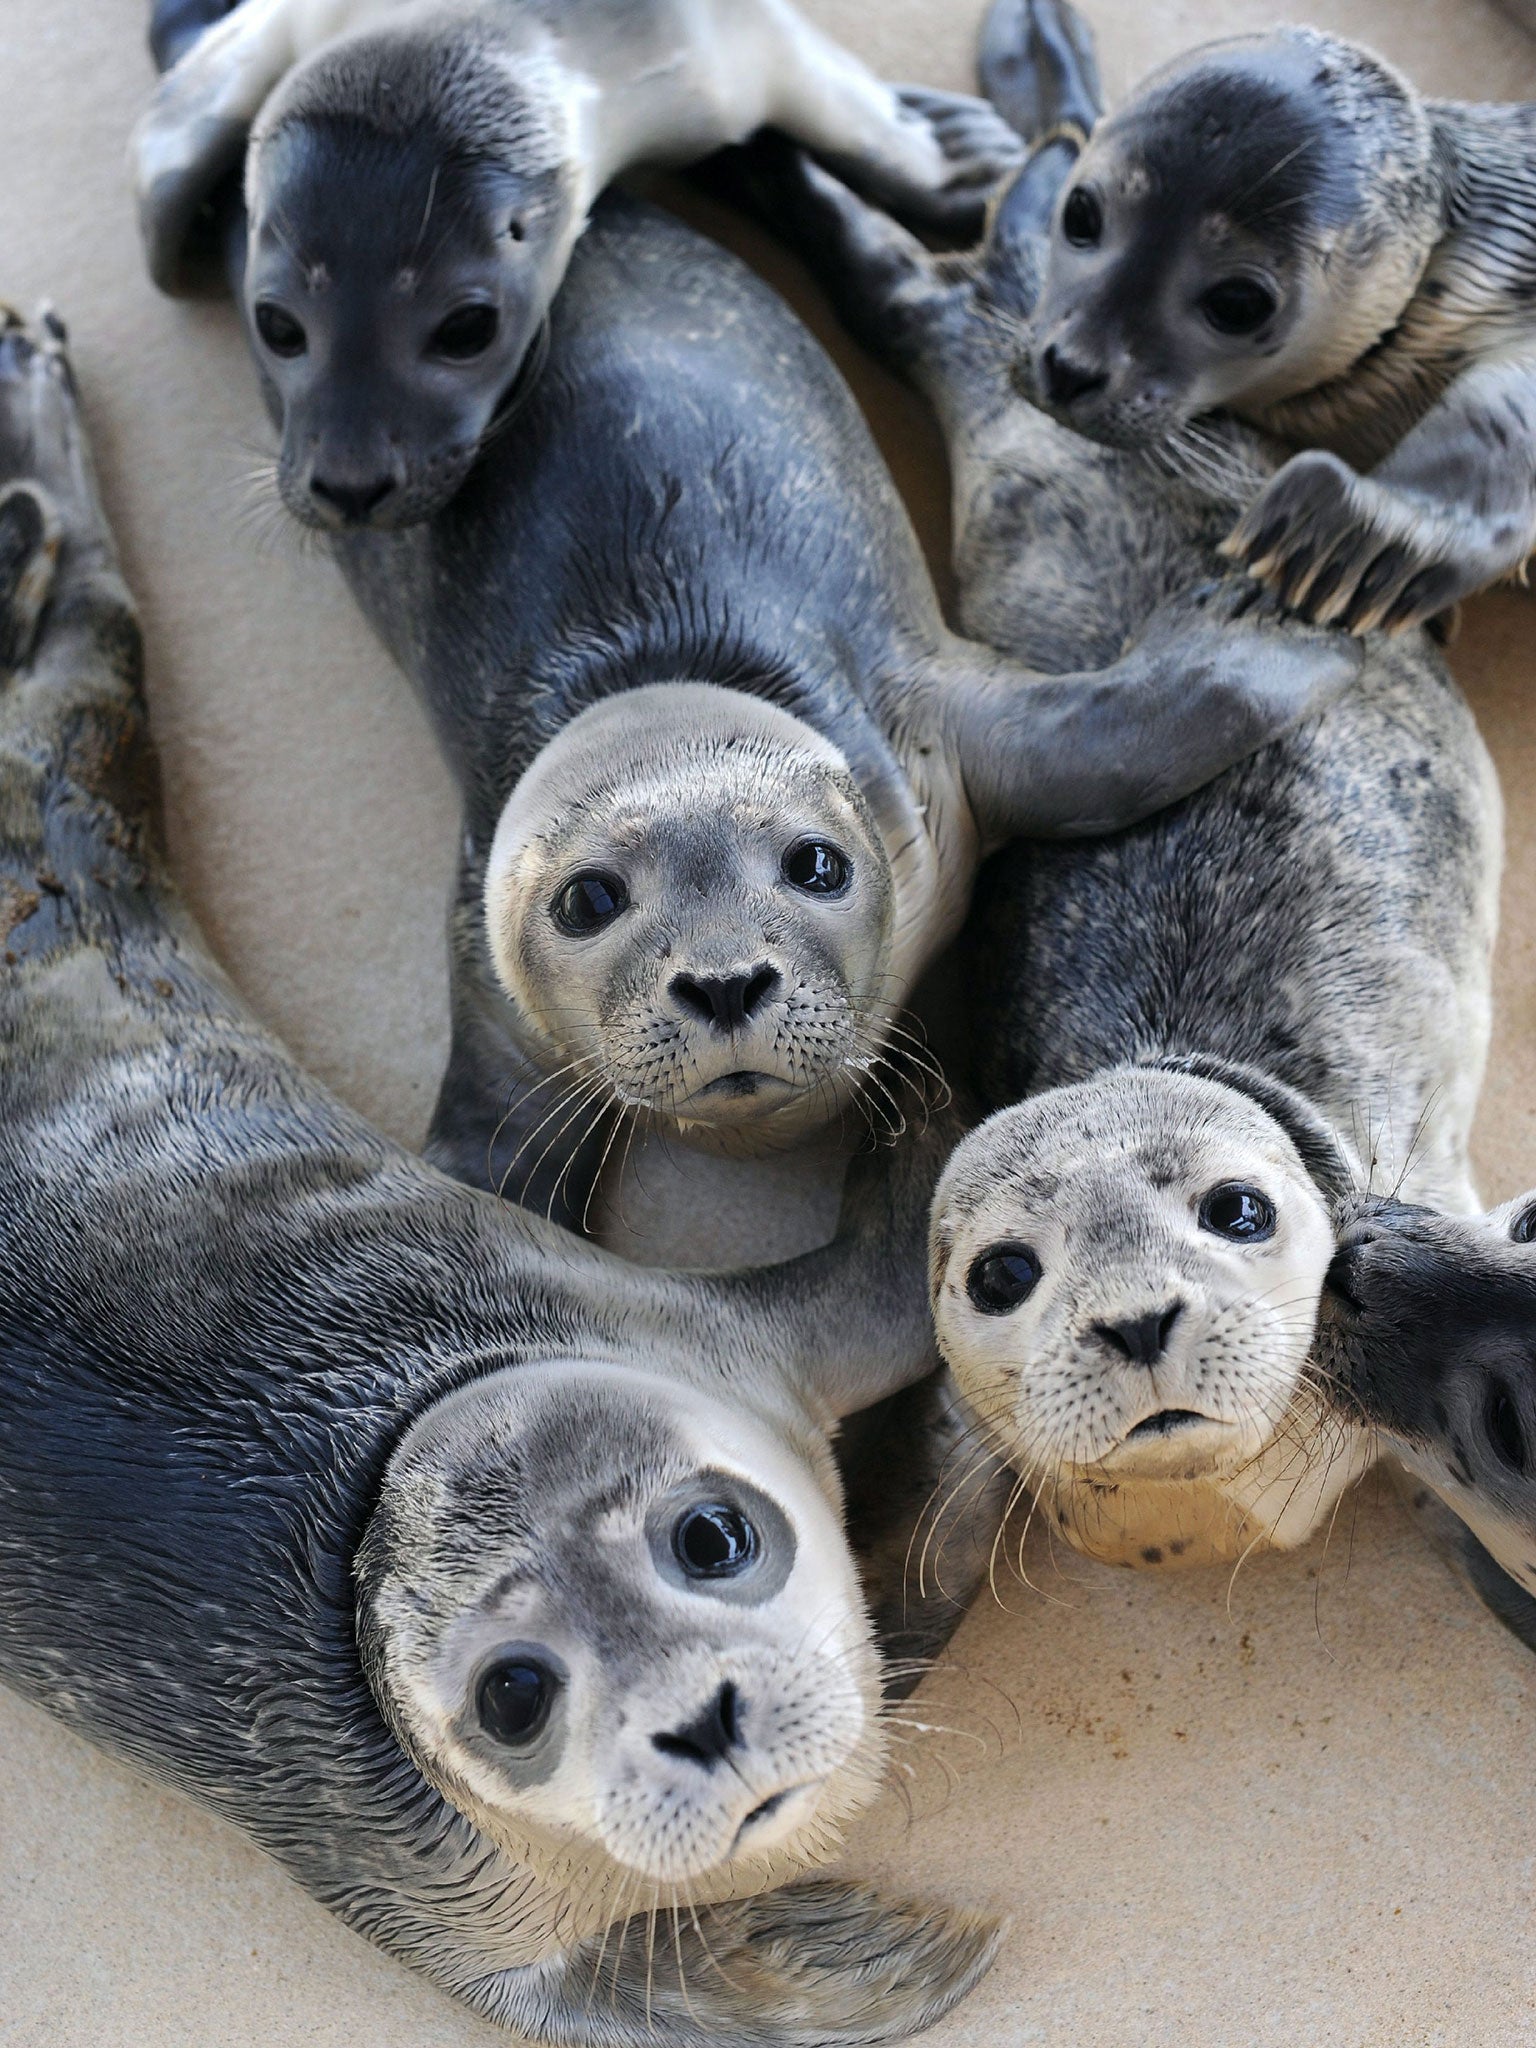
726 772
1426 1337
417 176
495 1587
1222 1018
1279 226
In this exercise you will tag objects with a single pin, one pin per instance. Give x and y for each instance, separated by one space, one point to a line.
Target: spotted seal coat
1213 1025
1279 226
463 1567
417 176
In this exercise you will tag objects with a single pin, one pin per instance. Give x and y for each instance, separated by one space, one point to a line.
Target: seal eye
466 333
817 867
1238 1212
1082 218
1001 1278
714 1542
1503 1424
588 902
512 1701
280 332
1523 1229
1238 305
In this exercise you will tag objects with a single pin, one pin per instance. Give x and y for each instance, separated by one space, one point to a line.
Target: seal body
417 177
1279 226
1219 1020
329 1426
726 772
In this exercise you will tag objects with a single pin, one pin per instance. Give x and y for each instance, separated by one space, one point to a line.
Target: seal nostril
710 1737
353 501
724 1001
1141 1339
1066 381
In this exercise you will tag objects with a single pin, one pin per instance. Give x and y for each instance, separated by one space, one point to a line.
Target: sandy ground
1290 1809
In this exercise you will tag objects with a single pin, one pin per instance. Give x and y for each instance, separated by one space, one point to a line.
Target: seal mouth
1165 1423
743 1084
766 1809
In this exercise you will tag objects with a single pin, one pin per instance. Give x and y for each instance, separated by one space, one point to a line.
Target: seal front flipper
1207 684
1037 64
1450 510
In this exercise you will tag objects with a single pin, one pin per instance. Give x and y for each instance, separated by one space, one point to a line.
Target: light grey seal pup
726 773
1219 1020
417 176
495 1587
1279 226
1427 1337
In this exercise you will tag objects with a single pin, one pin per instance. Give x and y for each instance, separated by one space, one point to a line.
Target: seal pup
1221 1019
495 1587
726 772
1278 226
416 178
1425 1338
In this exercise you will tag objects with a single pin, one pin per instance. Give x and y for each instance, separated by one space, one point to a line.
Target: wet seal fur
417 177
1425 1338
679 645
462 1566
1277 225
1280 983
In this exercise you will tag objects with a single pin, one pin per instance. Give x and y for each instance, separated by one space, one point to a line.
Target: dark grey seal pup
465 1568
1426 1339
1278 226
726 772
417 177
1217 1021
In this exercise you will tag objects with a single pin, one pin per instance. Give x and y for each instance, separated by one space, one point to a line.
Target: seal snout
1066 380
344 502
726 1002
1142 1339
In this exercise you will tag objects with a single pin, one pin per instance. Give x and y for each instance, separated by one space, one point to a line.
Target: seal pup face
1244 229
409 217
616 1622
1125 1276
1427 1329
691 907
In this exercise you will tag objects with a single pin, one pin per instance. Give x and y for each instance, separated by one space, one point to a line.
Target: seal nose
1141 1339
724 1001
710 1736
353 501
1066 381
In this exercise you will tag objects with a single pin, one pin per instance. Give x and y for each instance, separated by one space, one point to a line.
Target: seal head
1425 1333
1244 229
614 1620
1125 1276
390 338
690 905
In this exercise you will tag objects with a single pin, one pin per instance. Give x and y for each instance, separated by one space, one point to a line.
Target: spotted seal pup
464 1567
417 177
1219 1021
726 772
1425 1337
1278 225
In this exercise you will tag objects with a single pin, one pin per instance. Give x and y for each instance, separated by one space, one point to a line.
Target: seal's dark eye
279 330
818 867
1002 1277
1504 1429
714 1542
515 230
1238 305
1082 218
588 902
513 1700
1523 1229
1238 1212
466 333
